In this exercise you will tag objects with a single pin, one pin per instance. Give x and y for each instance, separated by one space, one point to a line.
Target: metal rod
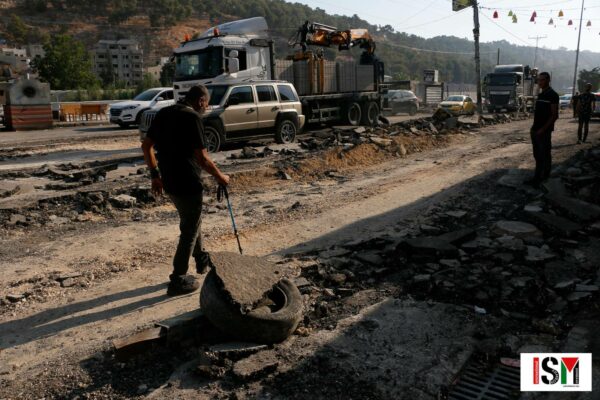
577 53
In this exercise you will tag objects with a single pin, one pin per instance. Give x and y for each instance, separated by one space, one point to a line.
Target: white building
123 58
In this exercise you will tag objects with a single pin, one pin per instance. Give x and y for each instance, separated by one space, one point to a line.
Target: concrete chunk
256 365
245 279
578 209
515 228
556 224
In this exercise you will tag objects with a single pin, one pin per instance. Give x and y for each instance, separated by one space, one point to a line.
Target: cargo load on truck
346 91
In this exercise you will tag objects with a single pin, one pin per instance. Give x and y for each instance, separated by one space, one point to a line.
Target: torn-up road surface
339 231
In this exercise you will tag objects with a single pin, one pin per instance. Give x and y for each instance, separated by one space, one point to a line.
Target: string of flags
534 18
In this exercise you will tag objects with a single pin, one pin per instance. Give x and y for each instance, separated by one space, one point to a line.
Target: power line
505 30
537 41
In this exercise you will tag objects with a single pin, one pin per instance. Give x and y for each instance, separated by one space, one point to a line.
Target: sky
429 18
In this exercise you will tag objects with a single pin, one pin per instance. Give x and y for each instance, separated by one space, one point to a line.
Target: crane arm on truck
317 34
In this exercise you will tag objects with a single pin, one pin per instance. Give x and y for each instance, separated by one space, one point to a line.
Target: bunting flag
495 14
589 23
551 22
561 14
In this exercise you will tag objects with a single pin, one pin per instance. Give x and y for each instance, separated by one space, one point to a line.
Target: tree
66 64
147 82
17 30
167 73
592 76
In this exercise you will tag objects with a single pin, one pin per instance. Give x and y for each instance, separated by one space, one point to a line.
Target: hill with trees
159 25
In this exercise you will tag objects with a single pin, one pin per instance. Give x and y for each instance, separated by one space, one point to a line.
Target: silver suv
247 110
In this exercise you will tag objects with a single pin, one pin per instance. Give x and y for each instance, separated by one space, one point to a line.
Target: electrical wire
505 30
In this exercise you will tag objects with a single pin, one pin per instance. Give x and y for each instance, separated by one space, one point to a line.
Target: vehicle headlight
132 107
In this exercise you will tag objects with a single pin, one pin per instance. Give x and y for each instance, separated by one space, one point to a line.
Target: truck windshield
201 64
216 94
499 80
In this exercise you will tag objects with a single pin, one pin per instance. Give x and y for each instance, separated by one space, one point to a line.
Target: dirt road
45 343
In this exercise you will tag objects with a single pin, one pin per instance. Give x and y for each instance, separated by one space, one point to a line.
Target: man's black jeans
542 152
189 208
584 125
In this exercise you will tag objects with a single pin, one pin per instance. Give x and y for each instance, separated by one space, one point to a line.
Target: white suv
125 113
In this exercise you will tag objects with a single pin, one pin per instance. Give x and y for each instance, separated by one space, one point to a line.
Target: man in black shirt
546 113
586 105
177 133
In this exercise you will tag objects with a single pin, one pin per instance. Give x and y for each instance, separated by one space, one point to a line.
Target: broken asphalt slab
245 279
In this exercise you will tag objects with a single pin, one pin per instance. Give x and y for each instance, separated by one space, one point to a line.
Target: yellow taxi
458 104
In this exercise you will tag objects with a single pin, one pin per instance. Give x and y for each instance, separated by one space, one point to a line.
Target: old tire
286 130
370 113
257 326
353 114
212 139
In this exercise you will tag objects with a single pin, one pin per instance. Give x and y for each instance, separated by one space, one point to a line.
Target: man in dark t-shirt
546 113
177 133
585 107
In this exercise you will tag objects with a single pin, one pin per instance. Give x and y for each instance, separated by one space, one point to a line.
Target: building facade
119 61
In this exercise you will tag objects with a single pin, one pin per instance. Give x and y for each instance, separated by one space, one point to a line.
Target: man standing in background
585 105
546 113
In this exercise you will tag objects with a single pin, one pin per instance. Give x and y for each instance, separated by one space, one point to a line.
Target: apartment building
121 58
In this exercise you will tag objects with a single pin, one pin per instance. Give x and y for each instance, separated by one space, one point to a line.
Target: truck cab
235 51
510 88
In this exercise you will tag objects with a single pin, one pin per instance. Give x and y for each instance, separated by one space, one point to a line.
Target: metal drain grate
501 383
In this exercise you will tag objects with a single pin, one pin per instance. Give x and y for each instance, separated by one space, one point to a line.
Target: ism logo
556 372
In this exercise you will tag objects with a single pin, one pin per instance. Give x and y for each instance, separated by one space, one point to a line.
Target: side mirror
159 99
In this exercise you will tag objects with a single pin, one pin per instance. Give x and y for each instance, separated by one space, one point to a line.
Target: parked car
459 105
126 113
243 111
402 101
565 101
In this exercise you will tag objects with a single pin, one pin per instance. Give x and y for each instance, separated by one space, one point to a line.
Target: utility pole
458 5
477 59
577 53
498 58
537 40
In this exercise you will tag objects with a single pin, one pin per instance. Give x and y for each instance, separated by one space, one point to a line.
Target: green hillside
151 19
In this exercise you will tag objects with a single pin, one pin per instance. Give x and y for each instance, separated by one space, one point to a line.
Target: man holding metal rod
177 133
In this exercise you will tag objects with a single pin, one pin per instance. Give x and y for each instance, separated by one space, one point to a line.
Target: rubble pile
528 255
439 124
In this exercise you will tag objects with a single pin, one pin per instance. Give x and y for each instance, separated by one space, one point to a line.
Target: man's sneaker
184 285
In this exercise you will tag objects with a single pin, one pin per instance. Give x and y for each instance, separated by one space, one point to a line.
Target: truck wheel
266 325
286 130
353 114
212 139
412 110
370 113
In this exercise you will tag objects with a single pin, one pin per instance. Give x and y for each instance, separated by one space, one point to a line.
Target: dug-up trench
397 303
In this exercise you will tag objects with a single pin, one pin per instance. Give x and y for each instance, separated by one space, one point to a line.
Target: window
266 93
136 57
167 95
114 56
126 57
115 65
243 94
123 48
469 100
100 55
286 93
241 58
